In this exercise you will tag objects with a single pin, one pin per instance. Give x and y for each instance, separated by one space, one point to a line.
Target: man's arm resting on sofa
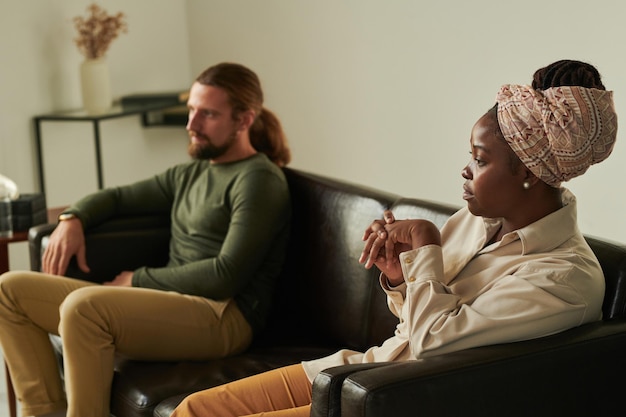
124 243
576 372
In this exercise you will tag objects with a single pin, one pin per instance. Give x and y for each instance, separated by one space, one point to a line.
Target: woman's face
494 182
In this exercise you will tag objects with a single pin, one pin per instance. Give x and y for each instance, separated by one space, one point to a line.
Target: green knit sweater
229 229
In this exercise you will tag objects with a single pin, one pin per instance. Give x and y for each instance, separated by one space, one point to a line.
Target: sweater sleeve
152 195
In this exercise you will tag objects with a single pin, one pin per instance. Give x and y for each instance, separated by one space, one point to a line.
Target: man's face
212 131
493 187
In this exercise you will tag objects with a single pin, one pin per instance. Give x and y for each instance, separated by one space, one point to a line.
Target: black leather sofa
326 301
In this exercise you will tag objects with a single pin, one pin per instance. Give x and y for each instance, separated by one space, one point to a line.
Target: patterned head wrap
559 132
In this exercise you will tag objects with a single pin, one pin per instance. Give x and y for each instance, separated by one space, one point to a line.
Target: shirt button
411 279
408 260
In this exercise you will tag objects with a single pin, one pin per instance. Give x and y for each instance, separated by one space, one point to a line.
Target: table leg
4 256
4 266
98 151
10 393
42 185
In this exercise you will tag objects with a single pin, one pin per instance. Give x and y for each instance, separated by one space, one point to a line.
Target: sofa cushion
139 386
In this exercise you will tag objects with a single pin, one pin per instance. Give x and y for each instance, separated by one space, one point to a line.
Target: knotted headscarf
558 133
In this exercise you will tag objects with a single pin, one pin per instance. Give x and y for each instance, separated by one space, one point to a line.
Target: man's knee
82 304
13 283
12 278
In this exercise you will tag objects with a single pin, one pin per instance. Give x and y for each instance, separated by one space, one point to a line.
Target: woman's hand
377 247
386 239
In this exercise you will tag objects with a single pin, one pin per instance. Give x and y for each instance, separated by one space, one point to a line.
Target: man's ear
245 119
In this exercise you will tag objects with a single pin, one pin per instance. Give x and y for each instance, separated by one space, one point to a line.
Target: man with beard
230 214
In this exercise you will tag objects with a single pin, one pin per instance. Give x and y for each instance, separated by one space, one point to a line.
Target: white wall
385 92
377 92
39 74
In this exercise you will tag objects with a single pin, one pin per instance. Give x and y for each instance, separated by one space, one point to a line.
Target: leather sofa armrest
35 236
575 373
327 388
123 243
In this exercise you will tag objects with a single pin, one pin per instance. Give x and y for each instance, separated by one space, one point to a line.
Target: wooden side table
20 236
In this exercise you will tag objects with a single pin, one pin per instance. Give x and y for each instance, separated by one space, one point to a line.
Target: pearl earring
526 185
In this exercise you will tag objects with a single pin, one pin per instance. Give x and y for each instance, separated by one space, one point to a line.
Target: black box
172 98
26 221
28 210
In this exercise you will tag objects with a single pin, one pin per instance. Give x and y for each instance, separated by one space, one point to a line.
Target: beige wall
376 92
385 92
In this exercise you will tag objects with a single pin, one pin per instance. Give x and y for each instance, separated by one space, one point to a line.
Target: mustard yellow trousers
95 323
282 392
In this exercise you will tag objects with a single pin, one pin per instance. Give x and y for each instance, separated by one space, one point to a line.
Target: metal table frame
150 116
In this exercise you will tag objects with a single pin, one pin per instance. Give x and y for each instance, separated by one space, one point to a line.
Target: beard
207 150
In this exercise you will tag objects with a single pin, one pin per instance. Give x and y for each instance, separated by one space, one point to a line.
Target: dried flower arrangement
97 31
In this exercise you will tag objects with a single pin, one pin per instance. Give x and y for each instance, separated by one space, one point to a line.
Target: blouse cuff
422 264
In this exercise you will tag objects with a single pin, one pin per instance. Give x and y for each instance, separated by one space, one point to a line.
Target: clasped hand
386 239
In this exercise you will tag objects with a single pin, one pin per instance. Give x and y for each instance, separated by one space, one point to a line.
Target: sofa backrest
323 291
612 258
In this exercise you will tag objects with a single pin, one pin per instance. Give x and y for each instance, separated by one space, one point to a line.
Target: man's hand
67 240
123 279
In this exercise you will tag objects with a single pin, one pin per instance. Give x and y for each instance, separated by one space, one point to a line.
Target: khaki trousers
282 392
95 322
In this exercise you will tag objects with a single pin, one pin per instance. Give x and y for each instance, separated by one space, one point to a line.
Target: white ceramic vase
95 85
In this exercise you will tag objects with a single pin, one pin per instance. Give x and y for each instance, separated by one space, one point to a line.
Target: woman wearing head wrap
510 266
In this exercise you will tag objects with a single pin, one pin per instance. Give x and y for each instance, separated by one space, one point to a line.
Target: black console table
158 113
